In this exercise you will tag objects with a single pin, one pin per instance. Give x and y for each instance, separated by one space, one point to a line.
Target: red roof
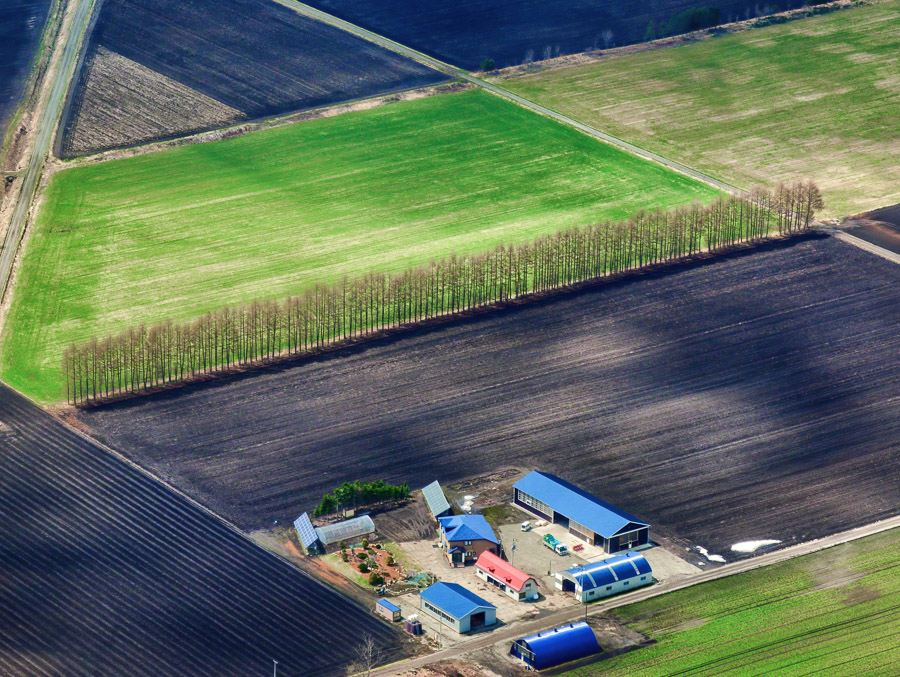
503 571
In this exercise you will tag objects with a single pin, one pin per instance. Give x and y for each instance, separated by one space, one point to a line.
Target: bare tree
368 655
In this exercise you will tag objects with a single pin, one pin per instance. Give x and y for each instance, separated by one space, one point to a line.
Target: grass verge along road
42 140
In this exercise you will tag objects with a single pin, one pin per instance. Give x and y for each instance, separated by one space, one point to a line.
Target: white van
526 526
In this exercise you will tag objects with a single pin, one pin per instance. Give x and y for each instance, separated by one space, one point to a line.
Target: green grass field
835 612
177 233
817 97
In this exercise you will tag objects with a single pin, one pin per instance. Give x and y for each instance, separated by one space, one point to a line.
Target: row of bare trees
143 357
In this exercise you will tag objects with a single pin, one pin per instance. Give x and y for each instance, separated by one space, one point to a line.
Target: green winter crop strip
817 97
832 612
178 233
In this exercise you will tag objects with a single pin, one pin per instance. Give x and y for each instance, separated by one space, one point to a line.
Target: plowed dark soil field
879 226
748 397
105 571
21 25
256 57
514 31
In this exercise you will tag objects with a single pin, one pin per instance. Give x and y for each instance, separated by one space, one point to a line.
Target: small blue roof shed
555 647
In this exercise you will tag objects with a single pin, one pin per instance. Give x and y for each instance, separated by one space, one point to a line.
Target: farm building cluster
470 553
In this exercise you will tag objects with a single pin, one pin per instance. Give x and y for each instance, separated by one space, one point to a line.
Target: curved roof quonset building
555 647
608 577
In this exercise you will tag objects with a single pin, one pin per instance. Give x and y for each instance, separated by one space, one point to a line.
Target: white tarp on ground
751 546
712 558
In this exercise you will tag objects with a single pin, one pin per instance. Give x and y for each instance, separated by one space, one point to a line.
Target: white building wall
612 588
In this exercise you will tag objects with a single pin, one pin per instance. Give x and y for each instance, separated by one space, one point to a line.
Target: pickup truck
552 543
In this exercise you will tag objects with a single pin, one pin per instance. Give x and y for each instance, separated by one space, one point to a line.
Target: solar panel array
305 531
434 497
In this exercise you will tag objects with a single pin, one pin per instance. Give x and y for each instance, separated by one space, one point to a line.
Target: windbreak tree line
358 494
142 357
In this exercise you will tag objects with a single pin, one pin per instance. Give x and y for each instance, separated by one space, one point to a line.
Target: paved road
576 613
42 142
870 247
500 91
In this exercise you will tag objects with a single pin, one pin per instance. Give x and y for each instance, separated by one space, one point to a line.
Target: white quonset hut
585 516
609 577
456 607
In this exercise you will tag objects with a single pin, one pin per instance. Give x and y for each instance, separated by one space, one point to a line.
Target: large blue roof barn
555 647
608 577
585 516
453 605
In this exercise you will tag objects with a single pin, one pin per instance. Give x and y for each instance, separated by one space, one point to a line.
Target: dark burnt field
21 25
105 571
748 397
256 57
515 31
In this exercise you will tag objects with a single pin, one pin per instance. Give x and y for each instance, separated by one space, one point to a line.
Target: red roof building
515 583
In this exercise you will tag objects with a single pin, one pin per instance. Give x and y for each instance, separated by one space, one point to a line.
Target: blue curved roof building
608 577
555 647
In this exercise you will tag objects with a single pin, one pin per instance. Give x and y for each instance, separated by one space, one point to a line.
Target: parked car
526 526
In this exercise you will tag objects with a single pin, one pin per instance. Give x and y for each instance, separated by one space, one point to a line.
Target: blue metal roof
434 497
454 599
609 571
305 531
390 606
467 528
560 645
576 504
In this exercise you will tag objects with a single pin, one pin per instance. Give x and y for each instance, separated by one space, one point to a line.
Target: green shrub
363 555
375 579
363 567
365 543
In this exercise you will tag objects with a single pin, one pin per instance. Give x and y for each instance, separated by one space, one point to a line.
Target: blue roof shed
555 647
454 599
457 607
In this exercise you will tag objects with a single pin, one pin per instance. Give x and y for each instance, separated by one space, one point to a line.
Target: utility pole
274 668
